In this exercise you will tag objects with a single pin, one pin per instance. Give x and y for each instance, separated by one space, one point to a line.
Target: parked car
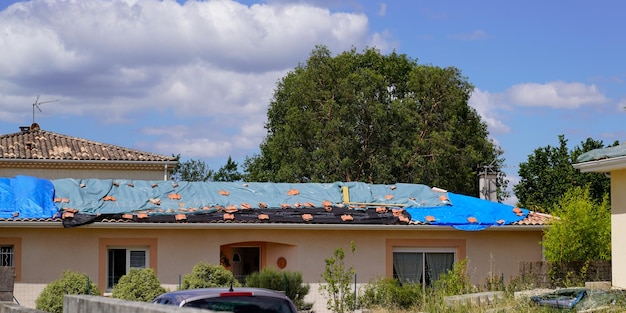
237 300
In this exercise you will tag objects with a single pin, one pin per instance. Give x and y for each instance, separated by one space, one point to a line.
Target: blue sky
195 78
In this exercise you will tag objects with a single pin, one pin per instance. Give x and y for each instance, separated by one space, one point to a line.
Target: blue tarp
29 197
485 212
26 197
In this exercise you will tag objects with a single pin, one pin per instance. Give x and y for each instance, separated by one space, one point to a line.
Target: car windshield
243 304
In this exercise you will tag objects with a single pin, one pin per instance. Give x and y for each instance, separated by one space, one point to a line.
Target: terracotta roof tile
36 144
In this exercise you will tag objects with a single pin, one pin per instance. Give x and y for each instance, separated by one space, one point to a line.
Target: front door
245 261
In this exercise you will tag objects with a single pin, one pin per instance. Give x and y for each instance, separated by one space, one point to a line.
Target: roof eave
168 162
603 166
277 226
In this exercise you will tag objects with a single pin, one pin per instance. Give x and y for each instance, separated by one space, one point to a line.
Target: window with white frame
422 265
120 260
6 255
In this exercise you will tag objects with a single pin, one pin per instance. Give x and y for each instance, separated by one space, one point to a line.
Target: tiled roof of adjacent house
33 143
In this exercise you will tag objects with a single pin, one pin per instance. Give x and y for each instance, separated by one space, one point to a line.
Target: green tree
138 285
373 118
192 170
205 275
582 231
229 172
548 174
338 280
289 282
70 283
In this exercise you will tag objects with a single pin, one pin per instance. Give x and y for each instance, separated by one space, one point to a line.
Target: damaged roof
78 202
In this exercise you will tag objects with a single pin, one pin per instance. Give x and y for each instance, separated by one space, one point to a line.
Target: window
118 251
422 265
6 255
120 260
11 254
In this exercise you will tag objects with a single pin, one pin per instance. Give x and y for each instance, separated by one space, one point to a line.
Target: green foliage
289 282
373 118
549 173
389 293
205 275
70 283
229 172
192 170
582 231
455 281
138 285
338 278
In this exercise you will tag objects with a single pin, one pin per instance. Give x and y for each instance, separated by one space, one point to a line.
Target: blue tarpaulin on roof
29 197
26 197
486 213
87 195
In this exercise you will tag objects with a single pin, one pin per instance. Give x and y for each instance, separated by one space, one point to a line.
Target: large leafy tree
373 118
582 231
548 174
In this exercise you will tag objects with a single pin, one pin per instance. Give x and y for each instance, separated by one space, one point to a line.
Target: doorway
245 261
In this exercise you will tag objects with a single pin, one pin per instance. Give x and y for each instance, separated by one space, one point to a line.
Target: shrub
338 279
138 285
289 282
205 275
70 283
455 281
390 294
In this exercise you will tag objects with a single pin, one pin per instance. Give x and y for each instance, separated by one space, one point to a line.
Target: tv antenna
37 103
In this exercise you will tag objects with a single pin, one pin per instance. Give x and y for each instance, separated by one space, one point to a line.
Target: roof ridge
44 144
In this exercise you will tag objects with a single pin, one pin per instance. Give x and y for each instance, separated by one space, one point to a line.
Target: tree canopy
193 170
198 170
373 118
582 231
548 174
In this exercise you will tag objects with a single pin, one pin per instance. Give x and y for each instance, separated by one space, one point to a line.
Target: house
104 227
612 161
36 152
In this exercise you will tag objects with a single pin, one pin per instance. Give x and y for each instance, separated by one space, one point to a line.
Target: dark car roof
185 295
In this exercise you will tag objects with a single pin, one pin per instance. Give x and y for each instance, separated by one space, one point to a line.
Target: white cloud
557 94
486 105
170 68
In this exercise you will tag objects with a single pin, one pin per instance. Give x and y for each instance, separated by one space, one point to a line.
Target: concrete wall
618 231
47 252
10 307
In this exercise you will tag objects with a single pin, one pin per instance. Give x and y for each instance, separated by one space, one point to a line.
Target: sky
195 77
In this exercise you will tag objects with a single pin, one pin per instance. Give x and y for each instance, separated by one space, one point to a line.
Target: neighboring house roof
603 160
78 202
35 144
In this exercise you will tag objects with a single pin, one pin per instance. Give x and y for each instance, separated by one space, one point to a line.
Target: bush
455 281
390 294
273 279
70 283
138 285
338 279
205 275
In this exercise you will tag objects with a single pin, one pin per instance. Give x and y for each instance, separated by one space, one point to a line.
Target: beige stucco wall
618 231
84 173
47 252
